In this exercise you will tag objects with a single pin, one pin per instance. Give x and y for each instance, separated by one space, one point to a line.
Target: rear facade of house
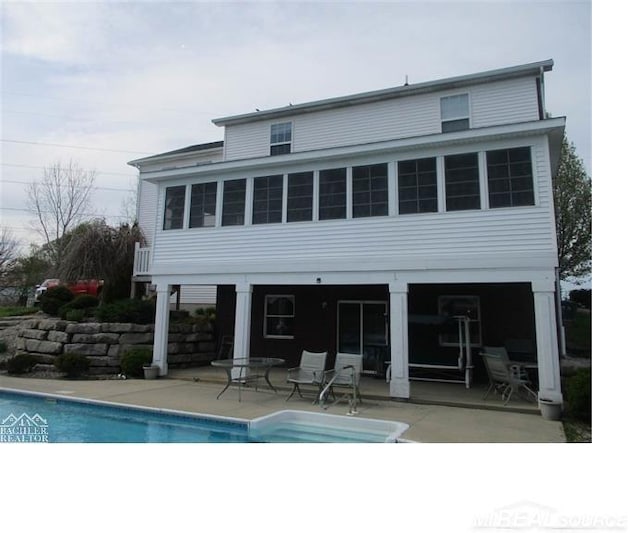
367 223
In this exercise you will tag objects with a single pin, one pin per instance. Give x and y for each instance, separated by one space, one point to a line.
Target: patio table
250 369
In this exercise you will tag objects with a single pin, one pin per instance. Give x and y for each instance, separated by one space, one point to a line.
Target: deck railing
141 260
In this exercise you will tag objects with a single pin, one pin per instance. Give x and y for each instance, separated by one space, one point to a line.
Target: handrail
353 402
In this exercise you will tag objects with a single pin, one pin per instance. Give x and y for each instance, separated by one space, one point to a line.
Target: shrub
75 315
72 364
3 346
579 395
84 301
21 363
132 361
136 311
179 315
53 299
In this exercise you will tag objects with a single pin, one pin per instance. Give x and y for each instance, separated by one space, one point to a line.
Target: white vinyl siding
503 102
512 234
147 209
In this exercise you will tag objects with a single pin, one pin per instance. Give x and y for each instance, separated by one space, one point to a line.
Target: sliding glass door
362 329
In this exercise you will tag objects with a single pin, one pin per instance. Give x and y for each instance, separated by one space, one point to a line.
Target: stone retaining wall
104 343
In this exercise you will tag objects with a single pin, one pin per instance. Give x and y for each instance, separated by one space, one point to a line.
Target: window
417 186
462 182
281 138
300 197
370 191
468 306
267 199
233 199
203 205
174 207
279 313
510 177
454 112
333 194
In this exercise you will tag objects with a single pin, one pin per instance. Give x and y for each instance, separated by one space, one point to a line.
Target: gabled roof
188 149
529 69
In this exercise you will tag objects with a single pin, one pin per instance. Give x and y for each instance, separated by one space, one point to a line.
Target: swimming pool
36 417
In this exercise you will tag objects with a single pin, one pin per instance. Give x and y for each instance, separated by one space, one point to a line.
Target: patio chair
505 377
344 375
309 372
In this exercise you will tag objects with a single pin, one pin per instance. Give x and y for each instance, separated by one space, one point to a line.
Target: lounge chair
505 376
309 372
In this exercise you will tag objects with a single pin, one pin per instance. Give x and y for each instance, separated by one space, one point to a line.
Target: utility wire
132 175
15 141
67 186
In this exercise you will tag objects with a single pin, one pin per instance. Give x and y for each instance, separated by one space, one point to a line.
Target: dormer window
454 112
281 138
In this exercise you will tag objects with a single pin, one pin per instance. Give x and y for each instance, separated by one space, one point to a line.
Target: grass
576 430
17 311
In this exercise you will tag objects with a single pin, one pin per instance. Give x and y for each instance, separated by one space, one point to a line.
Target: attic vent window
454 112
281 138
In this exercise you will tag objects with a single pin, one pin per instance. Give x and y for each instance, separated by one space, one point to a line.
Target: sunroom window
370 191
267 199
462 182
174 207
510 177
417 186
203 205
233 200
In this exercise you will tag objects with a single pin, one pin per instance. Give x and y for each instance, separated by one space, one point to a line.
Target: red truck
82 286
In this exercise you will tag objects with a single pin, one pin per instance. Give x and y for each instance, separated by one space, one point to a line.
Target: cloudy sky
104 83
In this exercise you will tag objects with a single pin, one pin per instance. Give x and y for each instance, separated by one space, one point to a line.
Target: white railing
141 260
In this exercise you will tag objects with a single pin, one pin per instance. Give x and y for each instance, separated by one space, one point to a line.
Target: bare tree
8 252
60 201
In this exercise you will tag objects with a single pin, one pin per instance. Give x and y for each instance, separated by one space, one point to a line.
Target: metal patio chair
505 377
345 375
309 372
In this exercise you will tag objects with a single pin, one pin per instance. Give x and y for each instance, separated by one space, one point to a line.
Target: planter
151 372
550 409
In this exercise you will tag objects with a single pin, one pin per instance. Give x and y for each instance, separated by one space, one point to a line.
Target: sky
104 83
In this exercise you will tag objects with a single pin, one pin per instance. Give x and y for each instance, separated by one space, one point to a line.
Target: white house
355 224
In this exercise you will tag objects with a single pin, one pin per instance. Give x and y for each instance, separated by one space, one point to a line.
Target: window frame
342 194
370 205
281 146
457 121
291 177
417 200
202 205
509 179
181 211
265 329
448 186
274 204
226 203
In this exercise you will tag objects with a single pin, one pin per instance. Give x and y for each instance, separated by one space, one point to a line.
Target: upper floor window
281 138
454 112
370 191
267 199
300 197
174 207
203 205
233 200
510 177
417 186
462 182
333 194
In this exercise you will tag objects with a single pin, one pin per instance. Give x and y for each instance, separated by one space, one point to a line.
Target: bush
136 311
53 299
75 315
132 361
72 364
21 363
3 346
579 395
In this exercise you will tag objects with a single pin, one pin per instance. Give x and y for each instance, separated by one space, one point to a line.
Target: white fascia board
174 158
521 129
530 69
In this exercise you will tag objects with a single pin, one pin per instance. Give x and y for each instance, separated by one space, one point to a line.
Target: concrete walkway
428 423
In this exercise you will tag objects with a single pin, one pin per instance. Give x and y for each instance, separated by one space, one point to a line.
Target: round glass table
244 370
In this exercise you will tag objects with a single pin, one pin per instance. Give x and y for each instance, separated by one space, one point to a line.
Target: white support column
399 332
242 335
544 301
161 332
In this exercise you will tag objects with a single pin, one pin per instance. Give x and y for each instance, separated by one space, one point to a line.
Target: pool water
47 418
62 420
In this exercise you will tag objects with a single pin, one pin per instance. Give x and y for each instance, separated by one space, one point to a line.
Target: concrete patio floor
437 412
